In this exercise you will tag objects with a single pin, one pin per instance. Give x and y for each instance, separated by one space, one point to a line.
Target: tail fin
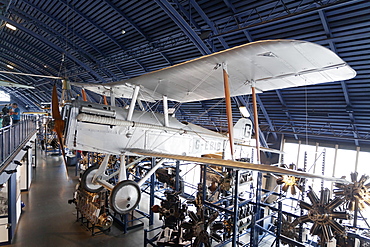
243 129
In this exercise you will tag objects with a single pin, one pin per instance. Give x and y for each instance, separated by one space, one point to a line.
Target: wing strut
83 93
255 113
105 100
228 109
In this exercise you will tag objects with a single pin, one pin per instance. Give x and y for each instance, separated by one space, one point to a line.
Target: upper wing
272 64
121 90
12 84
238 165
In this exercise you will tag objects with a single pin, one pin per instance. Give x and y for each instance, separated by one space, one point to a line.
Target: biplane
246 69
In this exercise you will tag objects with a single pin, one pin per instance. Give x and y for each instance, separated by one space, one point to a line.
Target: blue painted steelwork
52 45
184 26
156 41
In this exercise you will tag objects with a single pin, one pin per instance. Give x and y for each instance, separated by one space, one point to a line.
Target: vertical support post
257 212
299 151
282 146
323 169
151 199
300 234
177 184
279 219
357 155
316 151
204 183
228 109
334 167
165 110
256 125
355 216
236 209
133 102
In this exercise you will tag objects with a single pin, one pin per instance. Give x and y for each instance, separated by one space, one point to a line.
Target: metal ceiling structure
110 40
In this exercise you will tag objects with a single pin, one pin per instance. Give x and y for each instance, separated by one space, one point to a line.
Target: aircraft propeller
59 122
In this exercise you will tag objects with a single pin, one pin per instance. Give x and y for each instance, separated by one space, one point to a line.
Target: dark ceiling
111 40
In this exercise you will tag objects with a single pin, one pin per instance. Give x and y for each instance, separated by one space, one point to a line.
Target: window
4 97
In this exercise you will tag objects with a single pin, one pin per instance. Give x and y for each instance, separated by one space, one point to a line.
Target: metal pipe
153 170
133 102
122 169
256 127
357 155
165 110
112 98
334 166
299 150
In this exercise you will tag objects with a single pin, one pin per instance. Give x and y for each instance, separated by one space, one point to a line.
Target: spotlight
10 26
9 66
244 111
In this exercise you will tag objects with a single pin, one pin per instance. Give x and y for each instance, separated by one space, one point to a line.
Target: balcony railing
11 137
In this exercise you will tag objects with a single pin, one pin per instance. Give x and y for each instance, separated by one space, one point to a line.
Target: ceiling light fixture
10 26
9 66
123 31
244 111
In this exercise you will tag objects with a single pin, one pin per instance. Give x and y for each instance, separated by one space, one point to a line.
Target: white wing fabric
272 64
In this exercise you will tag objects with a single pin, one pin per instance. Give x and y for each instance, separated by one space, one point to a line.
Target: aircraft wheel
125 196
86 180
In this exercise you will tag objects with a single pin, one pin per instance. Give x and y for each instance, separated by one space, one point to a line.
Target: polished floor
48 219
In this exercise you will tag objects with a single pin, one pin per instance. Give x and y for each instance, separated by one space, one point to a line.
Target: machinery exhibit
187 123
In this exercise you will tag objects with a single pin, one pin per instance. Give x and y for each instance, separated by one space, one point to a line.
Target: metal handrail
14 135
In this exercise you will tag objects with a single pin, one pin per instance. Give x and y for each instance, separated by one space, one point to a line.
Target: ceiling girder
184 26
55 47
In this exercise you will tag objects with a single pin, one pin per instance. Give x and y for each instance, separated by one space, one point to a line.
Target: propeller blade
59 123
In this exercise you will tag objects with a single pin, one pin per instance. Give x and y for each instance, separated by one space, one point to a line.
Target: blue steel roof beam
230 6
266 115
94 24
298 12
55 47
75 33
24 53
206 110
136 27
102 31
287 113
209 22
192 22
261 134
128 19
184 26
30 59
20 64
19 78
328 33
15 78
72 45
30 51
